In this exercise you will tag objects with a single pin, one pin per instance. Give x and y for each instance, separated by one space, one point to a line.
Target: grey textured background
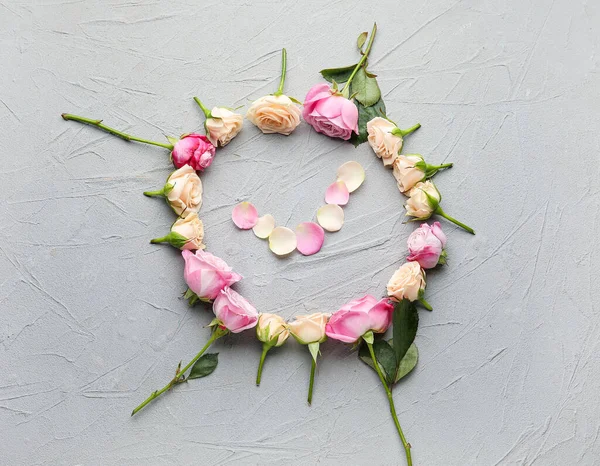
92 318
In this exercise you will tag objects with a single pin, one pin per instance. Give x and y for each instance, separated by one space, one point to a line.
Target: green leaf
385 357
296 101
204 366
361 40
366 88
172 140
340 75
405 321
314 350
408 363
366 114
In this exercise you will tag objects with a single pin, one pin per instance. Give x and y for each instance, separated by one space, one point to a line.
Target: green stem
206 111
439 211
283 72
157 193
162 239
406 445
404 132
311 384
127 137
425 304
218 333
265 349
363 59
439 167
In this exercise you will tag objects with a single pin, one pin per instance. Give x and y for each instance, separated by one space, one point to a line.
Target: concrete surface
92 318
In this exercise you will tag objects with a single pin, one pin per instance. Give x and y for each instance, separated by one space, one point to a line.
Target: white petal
264 226
351 173
337 193
330 217
282 241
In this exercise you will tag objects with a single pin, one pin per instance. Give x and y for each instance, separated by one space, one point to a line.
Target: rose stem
265 350
162 239
160 192
364 57
218 333
439 167
312 380
404 132
425 304
439 211
127 137
283 72
206 111
392 408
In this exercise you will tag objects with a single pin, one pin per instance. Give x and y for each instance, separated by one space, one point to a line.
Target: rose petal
310 237
244 215
337 193
351 173
330 217
264 226
282 241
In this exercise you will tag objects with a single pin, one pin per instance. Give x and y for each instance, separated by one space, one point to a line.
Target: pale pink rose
330 114
423 200
194 150
233 311
426 244
223 125
406 172
385 144
206 275
408 282
309 329
357 317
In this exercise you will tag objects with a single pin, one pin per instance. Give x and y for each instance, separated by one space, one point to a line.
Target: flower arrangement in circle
350 108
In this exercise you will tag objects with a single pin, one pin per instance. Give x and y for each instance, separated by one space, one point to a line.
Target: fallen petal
330 217
310 237
264 226
337 193
244 215
351 173
282 241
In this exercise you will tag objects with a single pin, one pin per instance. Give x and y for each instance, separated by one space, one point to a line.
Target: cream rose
309 329
385 144
419 204
272 329
406 173
223 125
407 282
274 114
184 190
191 229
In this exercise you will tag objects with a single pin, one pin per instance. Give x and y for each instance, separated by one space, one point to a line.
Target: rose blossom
274 114
272 329
385 144
426 245
191 228
309 329
195 150
223 125
206 275
419 204
406 172
408 282
357 317
233 311
330 114
184 190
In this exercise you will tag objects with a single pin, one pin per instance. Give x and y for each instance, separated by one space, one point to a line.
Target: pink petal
330 107
309 237
350 115
244 215
337 193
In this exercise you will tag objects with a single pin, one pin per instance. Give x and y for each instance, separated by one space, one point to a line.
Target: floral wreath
355 113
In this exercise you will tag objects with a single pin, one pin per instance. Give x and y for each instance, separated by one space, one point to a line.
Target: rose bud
274 114
408 282
310 330
426 245
358 317
330 113
386 139
412 169
183 190
206 275
221 124
272 331
424 201
194 150
186 233
233 312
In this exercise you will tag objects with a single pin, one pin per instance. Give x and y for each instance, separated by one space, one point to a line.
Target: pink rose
194 150
357 317
330 114
233 311
426 245
206 275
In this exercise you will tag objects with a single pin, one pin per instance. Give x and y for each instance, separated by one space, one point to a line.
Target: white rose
407 282
190 230
385 144
223 125
405 172
418 204
185 190
309 329
274 114
272 329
